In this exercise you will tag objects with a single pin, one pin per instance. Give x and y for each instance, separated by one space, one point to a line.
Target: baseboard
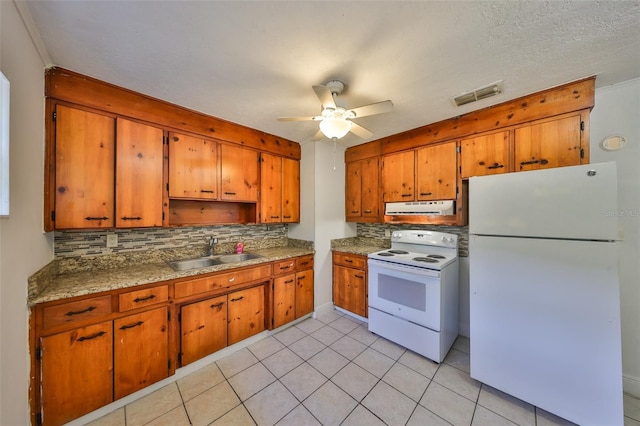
631 385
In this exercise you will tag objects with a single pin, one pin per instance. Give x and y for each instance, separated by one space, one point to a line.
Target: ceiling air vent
477 94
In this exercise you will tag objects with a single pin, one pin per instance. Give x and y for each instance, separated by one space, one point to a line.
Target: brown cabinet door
77 372
370 188
304 292
290 190
85 164
353 190
193 167
203 328
239 173
284 299
546 145
271 188
485 155
349 289
436 176
398 177
138 175
141 351
245 314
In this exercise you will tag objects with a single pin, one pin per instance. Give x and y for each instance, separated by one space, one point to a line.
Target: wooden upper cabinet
271 188
139 163
362 191
193 166
485 155
436 177
290 190
553 143
353 189
398 177
84 169
239 173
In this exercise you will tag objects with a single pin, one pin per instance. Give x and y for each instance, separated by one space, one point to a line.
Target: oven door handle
382 266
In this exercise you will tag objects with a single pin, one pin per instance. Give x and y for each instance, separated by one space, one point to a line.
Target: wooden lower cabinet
245 314
76 372
141 351
203 328
293 293
304 293
284 302
350 283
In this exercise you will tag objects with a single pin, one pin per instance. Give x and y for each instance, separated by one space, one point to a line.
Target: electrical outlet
387 233
112 240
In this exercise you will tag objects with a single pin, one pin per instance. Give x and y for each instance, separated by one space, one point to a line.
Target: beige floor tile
458 359
310 325
484 417
271 404
458 381
299 416
362 417
387 347
212 404
406 381
348 347
329 404
507 406
423 417
631 407
418 363
447 404
251 381
239 416
389 404
463 344
236 362
266 347
363 335
328 362
344 325
175 417
545 418
327 335
307 347
355 380
374 362
290 335
328 316
199 381
282 362
152 406
114 418
303 381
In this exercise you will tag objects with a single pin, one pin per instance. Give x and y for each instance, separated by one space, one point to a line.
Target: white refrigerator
544 289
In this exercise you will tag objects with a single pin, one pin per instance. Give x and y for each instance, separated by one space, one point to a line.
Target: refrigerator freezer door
577 202
545 324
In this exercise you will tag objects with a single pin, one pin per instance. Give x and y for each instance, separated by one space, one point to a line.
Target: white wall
617 112
23 247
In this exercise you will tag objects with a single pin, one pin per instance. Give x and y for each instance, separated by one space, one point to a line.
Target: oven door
407 292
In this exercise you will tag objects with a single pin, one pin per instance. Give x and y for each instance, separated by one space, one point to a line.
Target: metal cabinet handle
83 338
144 299
126 327
208 191
367 211
496 166
217 305
526 163
96 218
425 193
349 260
232 279
302 277
229 193
238 298
84 311
131 218
407 195
288 281
359 276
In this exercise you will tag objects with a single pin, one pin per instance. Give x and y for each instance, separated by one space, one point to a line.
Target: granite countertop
360 245
58 280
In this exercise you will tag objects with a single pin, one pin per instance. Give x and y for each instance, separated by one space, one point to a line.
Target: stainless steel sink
204 262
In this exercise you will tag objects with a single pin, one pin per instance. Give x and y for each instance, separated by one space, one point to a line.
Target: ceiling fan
336 121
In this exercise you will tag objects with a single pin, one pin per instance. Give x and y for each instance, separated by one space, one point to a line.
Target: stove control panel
430 238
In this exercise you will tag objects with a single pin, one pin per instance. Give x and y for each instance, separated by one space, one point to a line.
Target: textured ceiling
250 62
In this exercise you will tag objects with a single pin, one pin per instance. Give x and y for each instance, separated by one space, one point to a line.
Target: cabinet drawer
284 266
304 262
140 298
220 281
76 311
350 260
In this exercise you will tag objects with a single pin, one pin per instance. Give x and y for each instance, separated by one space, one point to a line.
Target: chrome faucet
212 243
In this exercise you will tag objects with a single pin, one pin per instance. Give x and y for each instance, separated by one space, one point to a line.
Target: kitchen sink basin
204 262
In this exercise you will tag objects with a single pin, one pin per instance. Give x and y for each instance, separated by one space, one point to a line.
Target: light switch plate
387 233
112 240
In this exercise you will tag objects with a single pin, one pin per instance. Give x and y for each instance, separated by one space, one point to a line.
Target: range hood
427 208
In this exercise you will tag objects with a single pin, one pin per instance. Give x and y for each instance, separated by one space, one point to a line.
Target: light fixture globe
335 127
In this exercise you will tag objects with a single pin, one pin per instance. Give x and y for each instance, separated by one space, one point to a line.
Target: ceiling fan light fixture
335 127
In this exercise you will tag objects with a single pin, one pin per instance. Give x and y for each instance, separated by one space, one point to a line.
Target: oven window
403 292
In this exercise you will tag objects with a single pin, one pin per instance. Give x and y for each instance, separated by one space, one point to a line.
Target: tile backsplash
69 244
376 230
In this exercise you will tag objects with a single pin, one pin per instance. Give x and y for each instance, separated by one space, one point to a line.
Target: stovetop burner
436 256
427 259
398 252
385 254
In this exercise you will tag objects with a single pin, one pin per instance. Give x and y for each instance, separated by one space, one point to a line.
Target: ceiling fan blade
371 109
316 118
360 131
325 96
319 135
